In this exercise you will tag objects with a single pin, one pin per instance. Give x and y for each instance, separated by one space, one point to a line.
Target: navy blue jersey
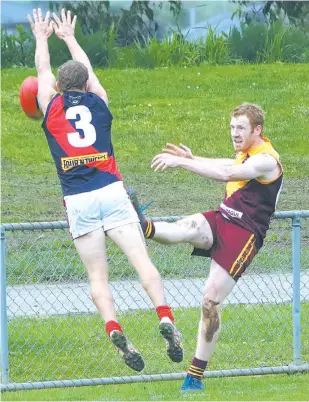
78 130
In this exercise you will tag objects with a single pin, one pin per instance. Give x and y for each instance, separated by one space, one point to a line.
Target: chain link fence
55 333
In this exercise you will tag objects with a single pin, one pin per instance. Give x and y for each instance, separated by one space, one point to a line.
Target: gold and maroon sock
197 368
147 225
112 326
149 229
165 311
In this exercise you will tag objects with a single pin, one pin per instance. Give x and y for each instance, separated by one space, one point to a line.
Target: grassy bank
150 108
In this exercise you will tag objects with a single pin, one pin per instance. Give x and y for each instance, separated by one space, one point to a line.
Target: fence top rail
34 225
64 224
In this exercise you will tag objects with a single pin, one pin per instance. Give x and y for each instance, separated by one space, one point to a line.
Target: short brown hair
72 75
254 113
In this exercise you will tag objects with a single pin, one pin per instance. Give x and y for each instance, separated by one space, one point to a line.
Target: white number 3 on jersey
83 124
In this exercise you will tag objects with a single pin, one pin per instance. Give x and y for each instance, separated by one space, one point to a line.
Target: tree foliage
135 23
297 12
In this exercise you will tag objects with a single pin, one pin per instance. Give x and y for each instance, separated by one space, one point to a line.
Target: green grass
179 112
258 388
72 347
189 105
76 346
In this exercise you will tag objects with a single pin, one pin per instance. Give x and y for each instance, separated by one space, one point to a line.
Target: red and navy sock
165 311
112 326
197 368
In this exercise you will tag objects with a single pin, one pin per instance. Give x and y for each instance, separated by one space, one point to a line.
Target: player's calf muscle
211 318
149 275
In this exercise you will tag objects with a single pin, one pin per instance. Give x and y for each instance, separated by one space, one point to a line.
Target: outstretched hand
41 28
181 150
163 161
65 28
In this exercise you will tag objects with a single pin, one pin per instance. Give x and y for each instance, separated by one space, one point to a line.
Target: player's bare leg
218 286
193 229
130 239
92 250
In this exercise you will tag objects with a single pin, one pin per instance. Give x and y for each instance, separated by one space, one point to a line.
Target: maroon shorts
233 247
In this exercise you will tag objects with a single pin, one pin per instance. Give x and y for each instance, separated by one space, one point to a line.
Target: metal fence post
296 289
3 313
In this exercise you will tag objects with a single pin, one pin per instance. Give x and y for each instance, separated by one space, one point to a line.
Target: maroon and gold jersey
250 204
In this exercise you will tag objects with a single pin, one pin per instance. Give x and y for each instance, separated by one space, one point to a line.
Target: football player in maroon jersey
232 234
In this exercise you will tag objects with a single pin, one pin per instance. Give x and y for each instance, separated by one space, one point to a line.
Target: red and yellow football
28 98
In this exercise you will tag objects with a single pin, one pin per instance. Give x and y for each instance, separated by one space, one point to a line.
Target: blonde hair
254 113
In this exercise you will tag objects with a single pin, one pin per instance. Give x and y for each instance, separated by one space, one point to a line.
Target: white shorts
107 207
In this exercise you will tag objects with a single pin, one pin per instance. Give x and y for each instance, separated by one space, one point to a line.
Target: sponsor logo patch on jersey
68 163
231 211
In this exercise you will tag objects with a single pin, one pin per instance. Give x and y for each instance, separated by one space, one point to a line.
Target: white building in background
222 20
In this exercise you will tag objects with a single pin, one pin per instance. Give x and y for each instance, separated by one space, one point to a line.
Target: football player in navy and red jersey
233 233
77 124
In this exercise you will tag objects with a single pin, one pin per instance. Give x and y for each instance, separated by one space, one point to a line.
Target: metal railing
45 308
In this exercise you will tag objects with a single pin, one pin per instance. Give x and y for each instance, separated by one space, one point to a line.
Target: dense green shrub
247 43
17 49
214 49
251 43
295 46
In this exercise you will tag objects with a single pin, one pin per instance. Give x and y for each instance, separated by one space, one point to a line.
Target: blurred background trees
147 34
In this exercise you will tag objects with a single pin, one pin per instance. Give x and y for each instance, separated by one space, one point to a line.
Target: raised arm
262 166
185 152
42 29
64 29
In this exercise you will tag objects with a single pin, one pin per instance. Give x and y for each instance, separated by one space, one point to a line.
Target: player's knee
187 224
194 228
210 318
138 256
212 290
